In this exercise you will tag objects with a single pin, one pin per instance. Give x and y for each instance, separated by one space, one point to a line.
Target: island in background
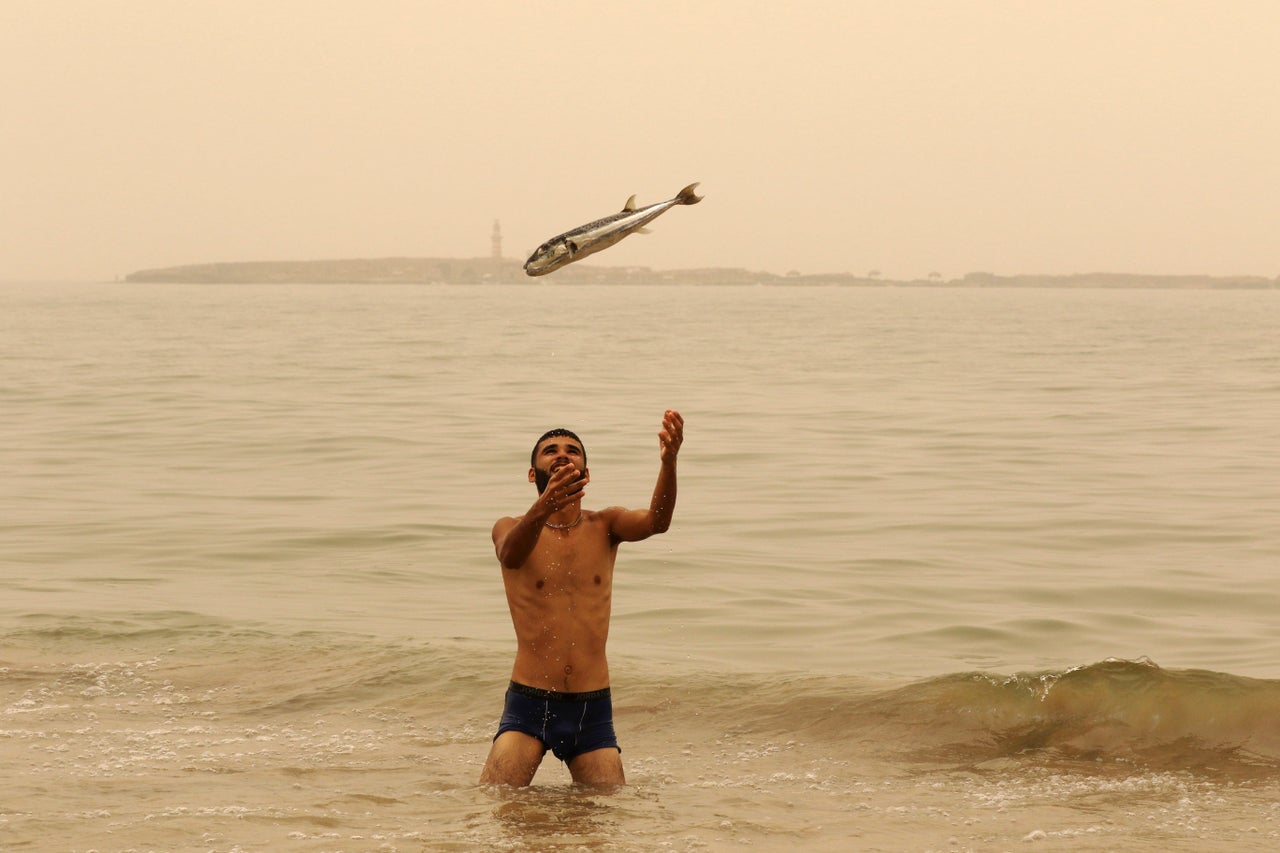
491 270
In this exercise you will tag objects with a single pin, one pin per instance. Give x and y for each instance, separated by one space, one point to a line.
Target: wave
1117 711
1114 712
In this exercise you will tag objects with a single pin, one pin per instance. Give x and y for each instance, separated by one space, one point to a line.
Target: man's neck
566 517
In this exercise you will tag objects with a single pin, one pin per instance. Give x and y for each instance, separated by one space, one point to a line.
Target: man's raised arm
634 525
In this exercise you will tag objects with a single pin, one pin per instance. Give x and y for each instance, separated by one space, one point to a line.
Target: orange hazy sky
908 137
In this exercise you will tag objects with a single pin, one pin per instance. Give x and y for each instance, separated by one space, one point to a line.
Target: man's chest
570 564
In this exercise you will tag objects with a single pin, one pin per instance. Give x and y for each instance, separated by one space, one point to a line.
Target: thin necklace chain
573 523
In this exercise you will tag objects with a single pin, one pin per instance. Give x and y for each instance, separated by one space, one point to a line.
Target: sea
952 569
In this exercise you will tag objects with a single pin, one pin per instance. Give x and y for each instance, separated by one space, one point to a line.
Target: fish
564 249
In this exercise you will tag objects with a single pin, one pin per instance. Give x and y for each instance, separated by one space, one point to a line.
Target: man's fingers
672 432
672 425
563 473
566 485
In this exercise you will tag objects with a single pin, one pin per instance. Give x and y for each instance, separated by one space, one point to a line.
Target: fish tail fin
686 195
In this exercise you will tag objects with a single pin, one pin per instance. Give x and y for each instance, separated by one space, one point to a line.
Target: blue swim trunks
568 724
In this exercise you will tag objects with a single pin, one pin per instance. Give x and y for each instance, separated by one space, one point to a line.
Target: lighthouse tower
497 241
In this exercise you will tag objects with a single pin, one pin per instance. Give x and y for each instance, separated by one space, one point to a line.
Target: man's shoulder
607 514
606 519
505 523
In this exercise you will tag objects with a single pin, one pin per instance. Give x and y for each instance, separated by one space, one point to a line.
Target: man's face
553 454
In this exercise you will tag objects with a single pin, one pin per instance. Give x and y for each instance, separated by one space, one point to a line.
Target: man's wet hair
553 433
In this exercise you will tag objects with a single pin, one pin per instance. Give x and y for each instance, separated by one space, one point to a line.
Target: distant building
497 241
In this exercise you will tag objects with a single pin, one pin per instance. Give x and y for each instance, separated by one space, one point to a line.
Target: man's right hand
565 486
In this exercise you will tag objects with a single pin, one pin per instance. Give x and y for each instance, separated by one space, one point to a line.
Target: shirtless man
557 567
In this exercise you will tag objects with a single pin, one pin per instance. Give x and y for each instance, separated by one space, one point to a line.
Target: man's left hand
671 436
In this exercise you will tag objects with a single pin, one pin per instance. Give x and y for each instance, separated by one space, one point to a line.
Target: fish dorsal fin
630 205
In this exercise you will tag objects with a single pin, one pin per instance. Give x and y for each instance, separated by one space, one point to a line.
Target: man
557 567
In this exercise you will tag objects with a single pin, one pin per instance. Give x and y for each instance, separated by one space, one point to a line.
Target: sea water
952 569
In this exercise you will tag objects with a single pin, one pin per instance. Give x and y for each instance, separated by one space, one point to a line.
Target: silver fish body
588 239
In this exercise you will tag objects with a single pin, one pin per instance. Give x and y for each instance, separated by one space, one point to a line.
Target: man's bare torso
560 601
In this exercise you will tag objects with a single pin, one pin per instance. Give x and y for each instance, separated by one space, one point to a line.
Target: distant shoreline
506 271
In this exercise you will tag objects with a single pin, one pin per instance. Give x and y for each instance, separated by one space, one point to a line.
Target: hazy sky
908 137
